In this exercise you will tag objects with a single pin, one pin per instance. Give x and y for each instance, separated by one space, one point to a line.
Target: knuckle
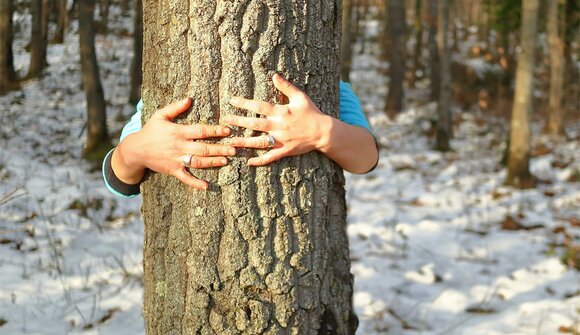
204 151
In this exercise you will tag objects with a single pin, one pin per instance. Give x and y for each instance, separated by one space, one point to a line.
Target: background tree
137 61
444 126
39 37
97 143
418 48
519 145
556 36
61 20
434 67
347 40
7 73
396 29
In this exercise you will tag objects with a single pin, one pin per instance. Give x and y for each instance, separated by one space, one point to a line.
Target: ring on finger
186 160
271 141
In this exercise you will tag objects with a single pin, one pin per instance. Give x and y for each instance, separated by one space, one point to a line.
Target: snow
428 250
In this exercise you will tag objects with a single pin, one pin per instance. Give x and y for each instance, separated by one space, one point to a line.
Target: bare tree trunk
7 73
396 28
103 25
418 27
124 6
556 33
519 147
444 126
346 54
61 21
39 38
264 250
137 62
97 143
433 51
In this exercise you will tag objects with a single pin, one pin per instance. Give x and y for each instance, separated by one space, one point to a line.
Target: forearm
353 148
126 160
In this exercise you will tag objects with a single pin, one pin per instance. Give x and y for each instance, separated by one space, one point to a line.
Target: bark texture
444 130
264 250
137 61
7 73
556 32
519 147
97 143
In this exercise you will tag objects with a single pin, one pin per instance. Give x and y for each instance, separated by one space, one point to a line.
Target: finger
256 106
198 162
253 123
208 150
201 131
172 110
190 180
269 157
286 87
257 142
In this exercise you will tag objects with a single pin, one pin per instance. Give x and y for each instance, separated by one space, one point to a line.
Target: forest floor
438 244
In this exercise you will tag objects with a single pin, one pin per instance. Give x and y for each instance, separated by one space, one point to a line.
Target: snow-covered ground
431 248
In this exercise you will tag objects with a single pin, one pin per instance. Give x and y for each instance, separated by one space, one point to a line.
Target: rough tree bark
97 143
347 40
264 250
7 73
556 33
519 144
396 29
39 38
444 130
137 61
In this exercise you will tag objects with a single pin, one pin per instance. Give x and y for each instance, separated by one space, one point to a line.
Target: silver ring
186 160
271 141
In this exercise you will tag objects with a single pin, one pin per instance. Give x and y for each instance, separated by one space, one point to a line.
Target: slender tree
556 36
347 40
444 126
97 143
418 28
434 67
39 37
7 73
519 145
136 63
396 29
61 20
264 250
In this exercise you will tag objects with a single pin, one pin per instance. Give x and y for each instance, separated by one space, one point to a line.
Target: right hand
161 144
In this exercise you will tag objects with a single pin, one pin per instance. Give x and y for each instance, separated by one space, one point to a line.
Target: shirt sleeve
113 184
350 108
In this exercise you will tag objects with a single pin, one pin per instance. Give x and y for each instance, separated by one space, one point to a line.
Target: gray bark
556 33
7 73
97 143
519 147
396 29
444 129
264 250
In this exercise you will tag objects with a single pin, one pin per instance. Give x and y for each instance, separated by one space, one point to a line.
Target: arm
299 127
161 145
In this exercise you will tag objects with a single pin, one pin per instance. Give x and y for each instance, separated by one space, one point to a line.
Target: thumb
285 87
172 110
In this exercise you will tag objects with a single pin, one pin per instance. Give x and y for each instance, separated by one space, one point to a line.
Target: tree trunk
418 26
61 21
556 32
519 147
264 250
396 28
444 126
137 62
7 73
39 38
124 6
346 54
103 25
433 51
97 143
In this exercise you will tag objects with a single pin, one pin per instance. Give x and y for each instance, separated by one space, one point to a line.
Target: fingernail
223 161
226 130
232 151
234 100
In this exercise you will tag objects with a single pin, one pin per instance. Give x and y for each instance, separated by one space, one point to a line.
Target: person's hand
297 127
164 146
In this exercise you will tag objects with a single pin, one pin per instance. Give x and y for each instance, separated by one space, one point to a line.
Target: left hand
298 127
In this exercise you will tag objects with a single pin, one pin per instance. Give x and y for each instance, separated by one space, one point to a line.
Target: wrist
127 161
326 126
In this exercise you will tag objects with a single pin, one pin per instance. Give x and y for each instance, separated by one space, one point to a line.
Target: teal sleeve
350 109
